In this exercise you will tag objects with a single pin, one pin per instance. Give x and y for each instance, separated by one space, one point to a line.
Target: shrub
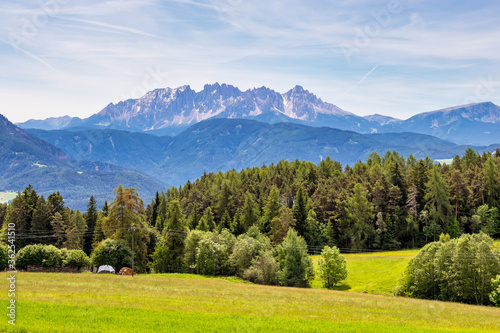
210 257
76 258
495 293
192 240
113 252
459 270
332 266
295 265
38 254
4 256
264 270
244 252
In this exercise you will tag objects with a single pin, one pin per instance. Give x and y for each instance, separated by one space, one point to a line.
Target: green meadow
376 272
58 302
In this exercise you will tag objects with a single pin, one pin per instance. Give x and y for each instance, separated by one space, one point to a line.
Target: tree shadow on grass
341 287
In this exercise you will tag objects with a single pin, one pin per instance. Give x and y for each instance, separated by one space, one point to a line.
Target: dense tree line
463 269
387 202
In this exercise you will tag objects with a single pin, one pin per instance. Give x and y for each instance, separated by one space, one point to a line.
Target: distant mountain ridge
27 159
476 124
169 111
224 144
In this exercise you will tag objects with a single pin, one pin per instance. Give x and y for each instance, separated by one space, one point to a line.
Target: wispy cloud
113 27
430 54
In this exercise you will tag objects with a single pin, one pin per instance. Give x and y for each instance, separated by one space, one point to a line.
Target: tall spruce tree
91 220
437 200
300 212
40 225
271 210
360 217
168 256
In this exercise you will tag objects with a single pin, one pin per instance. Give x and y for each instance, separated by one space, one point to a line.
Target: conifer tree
437 201
17 214
209 219
271 210
75 232
168 256
329 234
91 220
59 228
281 224
236 225
300 212
248 213
105 209
41 221
360 217
202 224
225 221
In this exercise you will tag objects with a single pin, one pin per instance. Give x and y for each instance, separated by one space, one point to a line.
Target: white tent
106 269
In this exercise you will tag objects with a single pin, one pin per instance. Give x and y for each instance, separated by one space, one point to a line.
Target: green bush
210 257
38 254
115 253
495 293
459 270
245 250
332 266
4 256
192 240
264 270
76 258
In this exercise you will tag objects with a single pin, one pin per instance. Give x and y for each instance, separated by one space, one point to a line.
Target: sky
396 57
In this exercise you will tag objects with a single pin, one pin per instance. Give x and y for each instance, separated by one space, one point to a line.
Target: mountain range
170 111
29 160
218 128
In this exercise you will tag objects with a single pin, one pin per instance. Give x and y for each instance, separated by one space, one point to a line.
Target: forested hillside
388 202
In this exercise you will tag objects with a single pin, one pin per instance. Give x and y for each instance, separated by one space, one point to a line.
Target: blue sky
398 58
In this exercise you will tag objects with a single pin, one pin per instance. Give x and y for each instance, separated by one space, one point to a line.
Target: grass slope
56 302
371 272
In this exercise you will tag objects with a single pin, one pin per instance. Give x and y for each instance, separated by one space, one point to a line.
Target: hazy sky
398 58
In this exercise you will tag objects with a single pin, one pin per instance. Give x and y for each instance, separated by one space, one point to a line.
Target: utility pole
132 228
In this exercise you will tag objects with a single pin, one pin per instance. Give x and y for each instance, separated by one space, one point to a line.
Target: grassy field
372 272
57 302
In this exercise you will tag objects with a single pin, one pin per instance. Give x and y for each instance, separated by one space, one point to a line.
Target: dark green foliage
300 212
191 244
210 257
76 258
264 270
4 256
17 213
113 252
225 221
458 270
91 220
42 216
295 266
249 213
38 254
246 248
168 256
271 210
495 293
